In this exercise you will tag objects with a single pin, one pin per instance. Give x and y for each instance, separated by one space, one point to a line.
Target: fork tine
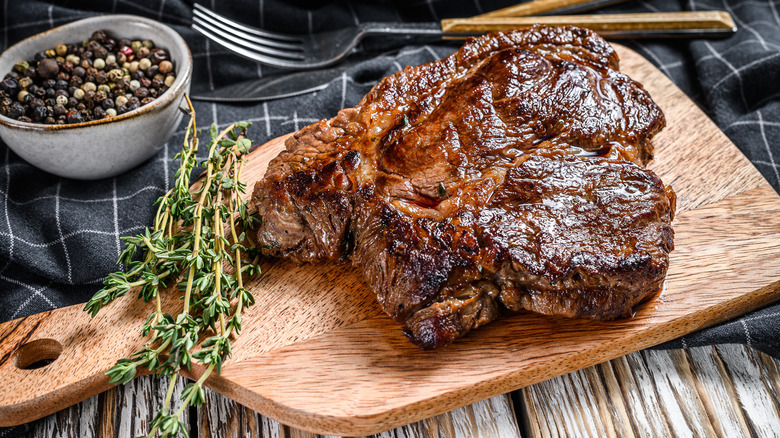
225 29
248 53
251 30
211 31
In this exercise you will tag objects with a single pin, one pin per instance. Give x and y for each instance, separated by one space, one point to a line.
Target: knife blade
275 86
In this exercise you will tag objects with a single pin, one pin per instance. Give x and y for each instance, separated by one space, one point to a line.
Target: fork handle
403 29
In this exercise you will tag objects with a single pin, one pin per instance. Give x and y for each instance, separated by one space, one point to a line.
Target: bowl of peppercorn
93 98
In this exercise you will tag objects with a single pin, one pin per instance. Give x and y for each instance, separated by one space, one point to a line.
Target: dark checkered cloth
59 237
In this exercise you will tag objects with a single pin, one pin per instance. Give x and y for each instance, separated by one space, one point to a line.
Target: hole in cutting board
37 354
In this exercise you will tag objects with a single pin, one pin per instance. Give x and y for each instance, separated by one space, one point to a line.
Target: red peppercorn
127 51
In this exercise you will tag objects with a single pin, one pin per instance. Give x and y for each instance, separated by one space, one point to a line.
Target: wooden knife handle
542 7
613 25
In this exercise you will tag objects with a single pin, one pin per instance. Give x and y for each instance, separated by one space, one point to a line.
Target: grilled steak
505 176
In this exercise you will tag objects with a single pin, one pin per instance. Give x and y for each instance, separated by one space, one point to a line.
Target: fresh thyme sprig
196 234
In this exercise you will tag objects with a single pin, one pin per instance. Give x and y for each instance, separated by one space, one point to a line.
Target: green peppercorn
61 49
78 94
104 88
21 66
99 63
135 45
148 44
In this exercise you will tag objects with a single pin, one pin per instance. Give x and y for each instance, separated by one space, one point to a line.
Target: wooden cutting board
318 354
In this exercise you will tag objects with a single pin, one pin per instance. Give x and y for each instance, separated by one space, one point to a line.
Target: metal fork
301 52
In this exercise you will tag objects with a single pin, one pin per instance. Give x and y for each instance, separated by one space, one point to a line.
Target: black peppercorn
72 102
79 72
50 92
48 68
99 112
36 103
49 83
40 56
49 120
16 110
75 117
50 101
108 103
81 106
141 92
60 110
87 56
61 84
153 70
39 114
101 77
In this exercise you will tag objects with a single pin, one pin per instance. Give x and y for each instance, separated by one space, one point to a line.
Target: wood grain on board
728 390
318 354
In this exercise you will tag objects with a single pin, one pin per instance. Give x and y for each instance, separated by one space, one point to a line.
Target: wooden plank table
726 390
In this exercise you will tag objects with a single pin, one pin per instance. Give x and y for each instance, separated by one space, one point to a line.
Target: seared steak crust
507 175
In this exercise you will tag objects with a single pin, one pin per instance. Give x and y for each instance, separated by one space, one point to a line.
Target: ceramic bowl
107 147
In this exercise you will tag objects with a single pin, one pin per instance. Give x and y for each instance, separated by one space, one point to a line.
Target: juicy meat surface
505 176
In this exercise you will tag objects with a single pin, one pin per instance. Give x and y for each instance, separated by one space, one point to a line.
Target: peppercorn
99 112
21 66
38 91
141 92
16 110
158 56
50 53
81 106
111 112
121 101
75 117
61 84
61 49
101 77
22 95
25 82
61 93
48 68
169 80
63 76
89 86
79 94
147 100
135 45
144 64
134 85
75 81
49 120
104 88
145 82
101 52
50 101
61 100
99 63
166 67
49 83
50 93
79 71
72 102
110 59
152 71
60 110
39 114
87 55
107 103
73 59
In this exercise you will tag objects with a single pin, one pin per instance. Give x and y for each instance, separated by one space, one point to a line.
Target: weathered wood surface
318 354
727 390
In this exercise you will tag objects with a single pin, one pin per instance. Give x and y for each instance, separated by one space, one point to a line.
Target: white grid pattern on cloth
276 118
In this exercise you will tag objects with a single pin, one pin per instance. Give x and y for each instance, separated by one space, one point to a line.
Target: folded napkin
59 238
